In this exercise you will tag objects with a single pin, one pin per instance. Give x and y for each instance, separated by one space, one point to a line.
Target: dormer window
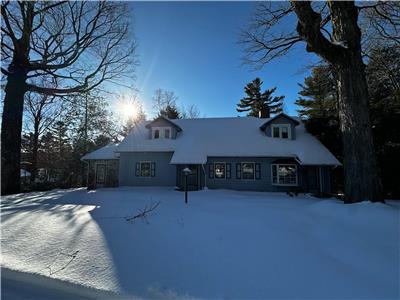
161 132
167 133
281 131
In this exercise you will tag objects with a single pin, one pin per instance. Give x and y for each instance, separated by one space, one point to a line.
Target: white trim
140 168
254 170
161 131
220 162
280 126
283 184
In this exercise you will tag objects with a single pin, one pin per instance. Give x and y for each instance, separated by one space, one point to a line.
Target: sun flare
127 109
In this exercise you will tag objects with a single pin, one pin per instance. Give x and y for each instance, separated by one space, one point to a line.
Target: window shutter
137 169
153 169
211 171
228 171
258 171
238 171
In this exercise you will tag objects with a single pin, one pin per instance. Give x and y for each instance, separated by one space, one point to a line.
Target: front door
100 173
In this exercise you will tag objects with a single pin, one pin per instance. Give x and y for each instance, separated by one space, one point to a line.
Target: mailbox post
186 171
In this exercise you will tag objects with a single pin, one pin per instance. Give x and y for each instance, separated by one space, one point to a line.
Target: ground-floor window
284 174
248 170
145 169
220 169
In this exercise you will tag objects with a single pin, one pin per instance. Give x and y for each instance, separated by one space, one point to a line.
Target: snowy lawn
224 244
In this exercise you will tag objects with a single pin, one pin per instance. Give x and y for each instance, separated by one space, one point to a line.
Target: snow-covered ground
224 244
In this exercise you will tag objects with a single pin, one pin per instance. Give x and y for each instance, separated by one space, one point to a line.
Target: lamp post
186 171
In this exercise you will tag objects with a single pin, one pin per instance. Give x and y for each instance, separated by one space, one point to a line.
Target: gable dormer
281 126
163 128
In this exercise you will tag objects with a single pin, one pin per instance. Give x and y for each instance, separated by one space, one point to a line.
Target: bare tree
164 102
330 30
163 98
41 111
190 112
75 45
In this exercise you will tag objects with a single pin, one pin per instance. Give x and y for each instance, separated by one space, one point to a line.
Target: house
241 153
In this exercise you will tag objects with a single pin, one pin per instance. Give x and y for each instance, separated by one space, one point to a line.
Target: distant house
242 153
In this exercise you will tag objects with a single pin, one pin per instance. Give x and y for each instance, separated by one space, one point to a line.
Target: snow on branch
70 257
143 212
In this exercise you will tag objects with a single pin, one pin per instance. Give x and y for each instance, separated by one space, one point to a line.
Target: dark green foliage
319 108
170 111
260 104
383 75
319 112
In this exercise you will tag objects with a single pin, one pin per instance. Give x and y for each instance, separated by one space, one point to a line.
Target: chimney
263 113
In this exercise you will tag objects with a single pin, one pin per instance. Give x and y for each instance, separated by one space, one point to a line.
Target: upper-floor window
284 174
167 133
161 132
281 131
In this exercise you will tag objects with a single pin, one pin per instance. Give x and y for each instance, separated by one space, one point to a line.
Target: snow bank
224 244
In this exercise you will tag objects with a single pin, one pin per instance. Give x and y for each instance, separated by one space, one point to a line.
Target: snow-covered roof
106 152
229 137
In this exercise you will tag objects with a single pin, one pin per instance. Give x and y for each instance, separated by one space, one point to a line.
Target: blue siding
165 173
282 120
307 176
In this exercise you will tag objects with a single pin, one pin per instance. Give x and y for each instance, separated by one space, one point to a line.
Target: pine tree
319 92
260 104
171 112
318 108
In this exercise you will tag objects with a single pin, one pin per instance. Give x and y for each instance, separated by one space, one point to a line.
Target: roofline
166 119
262 127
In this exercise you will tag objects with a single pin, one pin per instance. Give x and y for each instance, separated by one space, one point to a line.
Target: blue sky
192 48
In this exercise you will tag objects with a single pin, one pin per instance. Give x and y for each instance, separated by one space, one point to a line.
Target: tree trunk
360 164
11 127
35 148
361 173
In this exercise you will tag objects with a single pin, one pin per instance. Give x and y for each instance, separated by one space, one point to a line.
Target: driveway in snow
224 244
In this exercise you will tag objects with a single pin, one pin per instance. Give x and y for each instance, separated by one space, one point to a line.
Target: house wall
112 171
308 180
282 120
165 173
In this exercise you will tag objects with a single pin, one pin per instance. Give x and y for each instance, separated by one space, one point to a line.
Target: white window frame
280 126
215 176
161 131
254 170
140 168
277 175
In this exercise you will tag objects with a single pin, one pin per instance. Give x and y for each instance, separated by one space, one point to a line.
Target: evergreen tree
319 92
171 112
318 108
165 104
260 104
320 113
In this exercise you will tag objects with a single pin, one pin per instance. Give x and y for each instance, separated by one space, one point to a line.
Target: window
284 174
248 170
281 131
220 170
145 169
161 132
167 133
